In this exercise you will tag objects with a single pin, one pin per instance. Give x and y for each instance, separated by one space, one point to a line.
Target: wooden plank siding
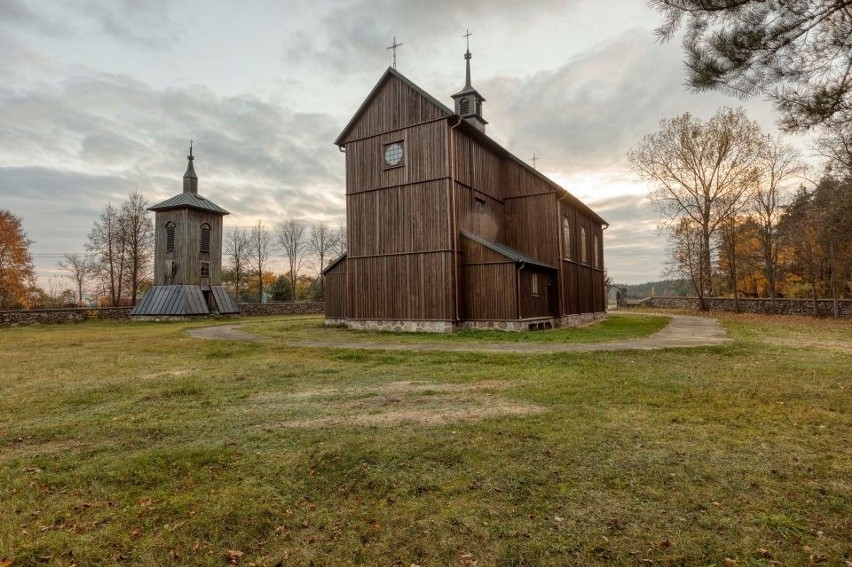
335 290
489 285
532 228
399 220
425 151
543 302
402 287
395 106
486 221
187 247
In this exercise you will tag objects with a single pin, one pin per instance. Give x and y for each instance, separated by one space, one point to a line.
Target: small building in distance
448 230
187 257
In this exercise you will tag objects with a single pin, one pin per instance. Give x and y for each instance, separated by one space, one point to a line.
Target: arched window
205 238
566 238
464 106
170 236
583 245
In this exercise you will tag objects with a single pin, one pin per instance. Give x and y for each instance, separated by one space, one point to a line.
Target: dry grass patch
393 403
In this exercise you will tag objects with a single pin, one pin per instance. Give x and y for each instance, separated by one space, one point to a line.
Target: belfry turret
187 257
468 100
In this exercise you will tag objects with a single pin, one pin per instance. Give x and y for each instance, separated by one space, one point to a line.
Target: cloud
70 149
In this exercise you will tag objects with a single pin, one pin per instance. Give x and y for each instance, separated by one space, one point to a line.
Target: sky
100 98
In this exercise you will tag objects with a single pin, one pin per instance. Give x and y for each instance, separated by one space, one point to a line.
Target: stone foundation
396 326
582 319
449 326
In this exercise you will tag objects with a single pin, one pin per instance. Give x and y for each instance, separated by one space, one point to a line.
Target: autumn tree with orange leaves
17 274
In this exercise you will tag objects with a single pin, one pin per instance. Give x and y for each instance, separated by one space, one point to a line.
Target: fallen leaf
5 562
233 555
765 553
730 562
665 544
136 532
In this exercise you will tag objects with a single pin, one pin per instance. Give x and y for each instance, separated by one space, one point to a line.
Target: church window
535 284
205 238
566 238
583 253
464 106
205 269
597 252
170 236
394 154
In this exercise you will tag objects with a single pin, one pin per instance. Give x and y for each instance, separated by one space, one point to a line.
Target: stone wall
286 308
76 314
825 307
65 315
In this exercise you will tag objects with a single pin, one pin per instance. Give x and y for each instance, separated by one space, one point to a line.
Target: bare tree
687 253
293 241
260 248
138 232
835 144
780 164
321 244
700 171
79 268
340 241
237 244
107 243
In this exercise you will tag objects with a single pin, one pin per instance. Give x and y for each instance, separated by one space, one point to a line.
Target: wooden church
187 257
448 230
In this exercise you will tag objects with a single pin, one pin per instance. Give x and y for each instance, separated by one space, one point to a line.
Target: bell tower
187 256
468 100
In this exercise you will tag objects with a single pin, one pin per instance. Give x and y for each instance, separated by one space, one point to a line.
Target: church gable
394 103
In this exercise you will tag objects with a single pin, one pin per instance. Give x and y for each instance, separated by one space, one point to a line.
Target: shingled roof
191 200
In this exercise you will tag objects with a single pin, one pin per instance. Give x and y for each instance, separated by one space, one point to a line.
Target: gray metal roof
183 300
224 302
191 200
507 251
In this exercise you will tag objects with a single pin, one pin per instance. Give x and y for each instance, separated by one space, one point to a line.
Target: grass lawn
135 444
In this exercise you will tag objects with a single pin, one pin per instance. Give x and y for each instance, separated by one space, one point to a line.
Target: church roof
506 251
190 200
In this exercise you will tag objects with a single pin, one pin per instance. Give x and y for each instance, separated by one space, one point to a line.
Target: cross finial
534 161
466 37
190 148
394 46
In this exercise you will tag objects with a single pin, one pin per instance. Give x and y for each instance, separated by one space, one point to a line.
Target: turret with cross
468 100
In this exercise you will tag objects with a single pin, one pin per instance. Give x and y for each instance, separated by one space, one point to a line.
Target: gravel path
683 332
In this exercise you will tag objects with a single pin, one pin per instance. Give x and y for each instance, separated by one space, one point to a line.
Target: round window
393 154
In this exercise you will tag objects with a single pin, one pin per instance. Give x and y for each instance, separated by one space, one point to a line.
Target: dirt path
683 331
